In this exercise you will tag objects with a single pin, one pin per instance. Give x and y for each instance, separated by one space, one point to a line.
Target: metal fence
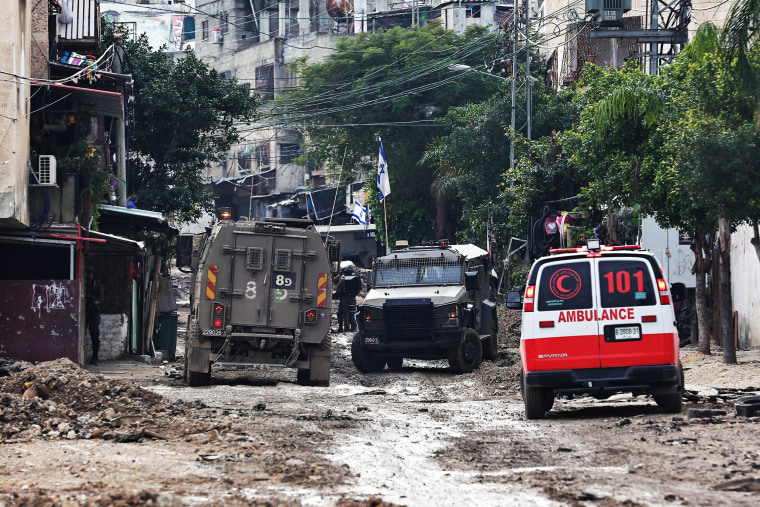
418 271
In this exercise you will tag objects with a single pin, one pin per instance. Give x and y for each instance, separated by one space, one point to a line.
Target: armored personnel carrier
260 294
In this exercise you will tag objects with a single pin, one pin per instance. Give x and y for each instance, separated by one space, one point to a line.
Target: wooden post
153 300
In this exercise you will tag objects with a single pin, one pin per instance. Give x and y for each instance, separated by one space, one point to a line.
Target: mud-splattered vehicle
428 303
261 294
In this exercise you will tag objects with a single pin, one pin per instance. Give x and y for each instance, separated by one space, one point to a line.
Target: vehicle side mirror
369 280
184 248
514 300
472 280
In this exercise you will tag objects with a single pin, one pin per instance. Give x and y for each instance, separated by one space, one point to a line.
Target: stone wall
113 337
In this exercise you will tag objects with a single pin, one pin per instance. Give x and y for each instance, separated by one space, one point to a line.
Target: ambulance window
565 286
625 283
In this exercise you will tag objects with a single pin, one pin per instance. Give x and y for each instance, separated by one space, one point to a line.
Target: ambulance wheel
491 345
535 402
672 403
548 399
394 363
468 355
365 362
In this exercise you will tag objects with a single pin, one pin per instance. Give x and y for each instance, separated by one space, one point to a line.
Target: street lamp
459 67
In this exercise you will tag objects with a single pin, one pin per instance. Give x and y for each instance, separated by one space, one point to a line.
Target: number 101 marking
621 281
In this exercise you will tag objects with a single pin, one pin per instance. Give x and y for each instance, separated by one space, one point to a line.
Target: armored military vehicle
429 302
260 294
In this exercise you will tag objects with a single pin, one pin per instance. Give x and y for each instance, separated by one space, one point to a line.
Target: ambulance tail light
217 316
664 294
530 292
546 323
649 318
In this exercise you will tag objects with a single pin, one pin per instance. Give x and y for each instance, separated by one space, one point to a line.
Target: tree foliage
182 119
391 85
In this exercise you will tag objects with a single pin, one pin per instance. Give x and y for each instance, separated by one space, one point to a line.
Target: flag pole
385 215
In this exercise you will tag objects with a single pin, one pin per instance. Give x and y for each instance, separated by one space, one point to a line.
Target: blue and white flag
361 214
383 182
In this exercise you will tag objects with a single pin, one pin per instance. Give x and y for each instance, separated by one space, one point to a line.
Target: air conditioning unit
46 171
217 36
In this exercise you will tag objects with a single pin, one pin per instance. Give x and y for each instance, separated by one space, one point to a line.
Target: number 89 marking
283 281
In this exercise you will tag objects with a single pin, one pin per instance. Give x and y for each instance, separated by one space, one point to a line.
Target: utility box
608 12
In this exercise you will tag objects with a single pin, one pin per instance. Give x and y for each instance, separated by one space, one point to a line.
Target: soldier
93 297
348 288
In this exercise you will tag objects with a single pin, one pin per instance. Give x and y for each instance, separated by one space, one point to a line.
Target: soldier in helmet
346 291
93 297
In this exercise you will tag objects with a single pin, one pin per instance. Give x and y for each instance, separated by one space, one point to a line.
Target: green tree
391 85
182 119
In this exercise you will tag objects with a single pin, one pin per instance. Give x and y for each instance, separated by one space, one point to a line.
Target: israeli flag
383 182
361 214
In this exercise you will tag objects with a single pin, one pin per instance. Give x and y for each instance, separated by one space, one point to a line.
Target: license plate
627 333
371 340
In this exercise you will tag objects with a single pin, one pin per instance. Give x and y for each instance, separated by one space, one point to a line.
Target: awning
113 245
102 102
137 219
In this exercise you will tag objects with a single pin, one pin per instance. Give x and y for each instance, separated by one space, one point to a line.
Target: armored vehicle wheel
394 363
365 362
319 373
303 377
196 379
468 355
491 345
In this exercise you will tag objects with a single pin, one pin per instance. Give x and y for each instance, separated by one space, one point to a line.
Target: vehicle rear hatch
559 327
633 321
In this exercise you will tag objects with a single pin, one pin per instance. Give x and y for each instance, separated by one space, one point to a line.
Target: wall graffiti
49 297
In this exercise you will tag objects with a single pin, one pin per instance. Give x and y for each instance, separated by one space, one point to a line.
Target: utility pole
514 88
527 66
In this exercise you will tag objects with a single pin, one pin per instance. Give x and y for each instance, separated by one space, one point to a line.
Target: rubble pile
57 399
509 327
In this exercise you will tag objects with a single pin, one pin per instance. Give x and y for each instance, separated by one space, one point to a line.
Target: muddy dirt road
414 436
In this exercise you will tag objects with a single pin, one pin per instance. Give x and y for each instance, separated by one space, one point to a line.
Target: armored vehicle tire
364 361
196 379
491 345
468 355
395 363
303 377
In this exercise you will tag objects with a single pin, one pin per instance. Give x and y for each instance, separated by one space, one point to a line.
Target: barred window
419 271
282 260
254 258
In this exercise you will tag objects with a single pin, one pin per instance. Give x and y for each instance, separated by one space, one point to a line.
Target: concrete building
62 188
15 61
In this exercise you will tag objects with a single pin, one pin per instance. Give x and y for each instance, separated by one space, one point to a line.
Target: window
204 30
289 152
224 22
254 258
188 28
265 82
282 260
262 154
625 283
565 286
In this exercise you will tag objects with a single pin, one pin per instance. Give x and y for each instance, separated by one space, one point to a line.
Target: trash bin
165 334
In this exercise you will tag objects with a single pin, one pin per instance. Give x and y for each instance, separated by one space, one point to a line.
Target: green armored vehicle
260 294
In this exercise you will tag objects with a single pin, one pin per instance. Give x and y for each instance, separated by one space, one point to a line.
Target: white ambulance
598 320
